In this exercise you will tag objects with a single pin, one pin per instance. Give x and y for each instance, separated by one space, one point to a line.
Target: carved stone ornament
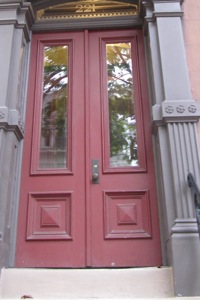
21 125
180 109
192 108
169 109
184 111
2 114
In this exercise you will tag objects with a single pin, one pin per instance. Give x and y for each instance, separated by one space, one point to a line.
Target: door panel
52 202
88 193
125 229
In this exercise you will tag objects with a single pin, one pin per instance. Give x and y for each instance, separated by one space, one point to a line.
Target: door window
53 132
122 119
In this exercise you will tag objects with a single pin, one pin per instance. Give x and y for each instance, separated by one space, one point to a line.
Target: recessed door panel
88 193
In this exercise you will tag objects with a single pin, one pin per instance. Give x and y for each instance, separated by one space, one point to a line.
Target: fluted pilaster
174 118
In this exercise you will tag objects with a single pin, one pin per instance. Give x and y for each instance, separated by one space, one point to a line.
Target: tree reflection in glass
53 146
122 120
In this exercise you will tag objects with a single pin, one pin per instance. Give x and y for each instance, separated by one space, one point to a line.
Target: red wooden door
88 193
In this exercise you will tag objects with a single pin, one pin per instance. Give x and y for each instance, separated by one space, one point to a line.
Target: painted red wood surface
64 219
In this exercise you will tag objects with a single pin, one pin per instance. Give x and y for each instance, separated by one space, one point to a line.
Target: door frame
135 22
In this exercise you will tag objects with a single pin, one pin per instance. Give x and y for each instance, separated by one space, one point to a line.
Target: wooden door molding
40 43
133 38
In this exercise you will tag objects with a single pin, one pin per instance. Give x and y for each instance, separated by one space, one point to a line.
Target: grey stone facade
16 18
174 118
174 115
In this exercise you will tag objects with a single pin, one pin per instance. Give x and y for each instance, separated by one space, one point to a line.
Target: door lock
95 171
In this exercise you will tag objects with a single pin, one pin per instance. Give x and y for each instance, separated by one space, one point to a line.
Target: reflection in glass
53 146
122 121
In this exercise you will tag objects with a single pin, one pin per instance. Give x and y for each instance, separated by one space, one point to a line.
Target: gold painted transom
89 9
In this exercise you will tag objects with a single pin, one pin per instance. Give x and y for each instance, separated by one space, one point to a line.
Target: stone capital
177 111
10 120
17 13
153 9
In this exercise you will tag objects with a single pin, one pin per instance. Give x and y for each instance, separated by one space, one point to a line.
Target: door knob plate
95 171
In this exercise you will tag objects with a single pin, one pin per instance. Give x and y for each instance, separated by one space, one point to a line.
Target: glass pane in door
122 119
53 136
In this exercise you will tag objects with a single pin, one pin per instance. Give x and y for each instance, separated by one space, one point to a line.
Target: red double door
88 195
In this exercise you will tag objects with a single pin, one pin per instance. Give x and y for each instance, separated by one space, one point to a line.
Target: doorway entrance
88 196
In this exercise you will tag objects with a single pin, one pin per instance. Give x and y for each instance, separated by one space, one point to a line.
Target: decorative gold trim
40 14
84 16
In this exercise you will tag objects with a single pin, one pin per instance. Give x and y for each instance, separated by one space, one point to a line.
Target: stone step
87 283
133 283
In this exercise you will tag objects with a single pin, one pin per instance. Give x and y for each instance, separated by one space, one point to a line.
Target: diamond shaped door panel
49 217
127 215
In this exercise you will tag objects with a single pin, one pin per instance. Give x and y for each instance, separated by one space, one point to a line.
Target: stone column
174 118
16 18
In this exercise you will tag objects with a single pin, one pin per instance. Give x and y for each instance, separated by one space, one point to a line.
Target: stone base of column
4 254
184 249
